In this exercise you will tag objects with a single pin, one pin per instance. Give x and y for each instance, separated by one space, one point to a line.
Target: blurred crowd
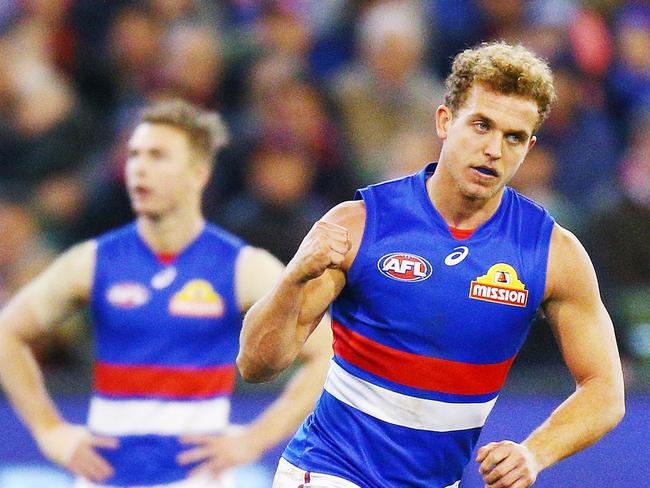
321 97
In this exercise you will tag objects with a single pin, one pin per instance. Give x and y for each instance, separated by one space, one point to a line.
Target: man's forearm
271 336
23 383
281 419
594 409
277 326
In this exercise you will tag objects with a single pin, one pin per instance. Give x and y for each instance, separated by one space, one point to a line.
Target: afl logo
127 295
402 266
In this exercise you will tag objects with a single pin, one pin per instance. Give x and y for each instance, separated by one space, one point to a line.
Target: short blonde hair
505 69
205 130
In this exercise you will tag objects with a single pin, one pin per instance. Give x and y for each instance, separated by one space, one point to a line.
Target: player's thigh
290 476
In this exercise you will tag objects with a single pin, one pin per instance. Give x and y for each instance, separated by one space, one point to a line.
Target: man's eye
482 126
514 139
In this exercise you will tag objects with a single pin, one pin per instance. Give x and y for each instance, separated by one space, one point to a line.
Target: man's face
160 174
486 140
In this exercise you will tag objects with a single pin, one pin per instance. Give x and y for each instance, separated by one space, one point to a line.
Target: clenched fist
507 464
324 246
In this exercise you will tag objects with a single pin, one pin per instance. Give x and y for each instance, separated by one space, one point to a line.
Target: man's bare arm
298 398
246 443
585 335
277 326
256 273
39 306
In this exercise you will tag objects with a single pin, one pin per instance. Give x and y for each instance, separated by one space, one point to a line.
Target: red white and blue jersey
166 339
425 331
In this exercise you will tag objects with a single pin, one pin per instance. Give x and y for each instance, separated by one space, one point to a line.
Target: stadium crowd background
321 96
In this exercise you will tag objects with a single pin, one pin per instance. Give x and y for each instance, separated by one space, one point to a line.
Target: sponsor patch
500 285
403 266
197 299
127 295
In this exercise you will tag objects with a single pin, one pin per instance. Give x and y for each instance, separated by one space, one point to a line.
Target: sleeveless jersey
425 331
166 339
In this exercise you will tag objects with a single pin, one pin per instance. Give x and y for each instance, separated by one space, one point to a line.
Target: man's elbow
615 407
617 412
253 371
11 341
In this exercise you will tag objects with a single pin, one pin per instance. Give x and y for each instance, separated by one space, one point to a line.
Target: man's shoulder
525 201
346 213
392 193
217 234
117 233
394 182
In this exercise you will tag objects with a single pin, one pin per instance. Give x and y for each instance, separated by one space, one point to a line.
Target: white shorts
226 480
290 476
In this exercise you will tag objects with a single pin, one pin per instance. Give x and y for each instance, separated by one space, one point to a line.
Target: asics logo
457 256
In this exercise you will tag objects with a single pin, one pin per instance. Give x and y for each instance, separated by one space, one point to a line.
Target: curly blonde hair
205 130
505 69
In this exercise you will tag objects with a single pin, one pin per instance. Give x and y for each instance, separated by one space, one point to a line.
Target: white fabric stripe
203 480
455 485
140 417
399 409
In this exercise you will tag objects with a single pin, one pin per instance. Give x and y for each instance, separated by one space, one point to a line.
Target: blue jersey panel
437 316
342 441
146 460
166 339
180 315
426 329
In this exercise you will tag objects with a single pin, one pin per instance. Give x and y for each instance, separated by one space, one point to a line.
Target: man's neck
170 234
456 209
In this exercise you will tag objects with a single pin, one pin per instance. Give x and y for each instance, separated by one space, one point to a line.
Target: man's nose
136 165
494 145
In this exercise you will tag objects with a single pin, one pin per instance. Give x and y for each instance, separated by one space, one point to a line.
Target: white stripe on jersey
161 417
399 409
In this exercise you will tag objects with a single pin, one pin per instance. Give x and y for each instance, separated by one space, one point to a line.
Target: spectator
629 77
619 243
535 180
583 139
388 88
277 207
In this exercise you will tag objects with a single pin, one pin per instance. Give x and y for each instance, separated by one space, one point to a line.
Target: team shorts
289 476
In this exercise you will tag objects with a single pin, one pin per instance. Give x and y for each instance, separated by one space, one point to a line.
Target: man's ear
443 119
204 171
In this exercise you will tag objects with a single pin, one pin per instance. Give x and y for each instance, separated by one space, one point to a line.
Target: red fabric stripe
461 234
161 381
166 259
417 371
